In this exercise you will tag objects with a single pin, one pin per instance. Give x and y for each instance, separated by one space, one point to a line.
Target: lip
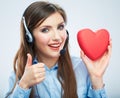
55 46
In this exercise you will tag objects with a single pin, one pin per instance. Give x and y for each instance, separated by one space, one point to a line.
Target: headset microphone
28 35
64 47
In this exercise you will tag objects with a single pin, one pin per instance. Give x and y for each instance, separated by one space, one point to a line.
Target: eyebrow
51 26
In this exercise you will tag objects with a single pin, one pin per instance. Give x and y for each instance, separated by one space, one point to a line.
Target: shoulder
12 77
12 74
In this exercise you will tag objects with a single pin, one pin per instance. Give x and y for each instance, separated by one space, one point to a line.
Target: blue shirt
51 87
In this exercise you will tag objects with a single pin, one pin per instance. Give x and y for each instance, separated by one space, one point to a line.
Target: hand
33 74
97 68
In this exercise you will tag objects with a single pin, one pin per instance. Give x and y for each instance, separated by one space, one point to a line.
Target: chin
55 55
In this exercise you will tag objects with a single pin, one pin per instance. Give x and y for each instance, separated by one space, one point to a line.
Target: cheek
42 39
64 36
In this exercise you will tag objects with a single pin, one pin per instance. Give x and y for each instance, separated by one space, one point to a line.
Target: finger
29 60
110 48
39 65
40 80
40 70
86 60
82 54
40 75
107 54
106 57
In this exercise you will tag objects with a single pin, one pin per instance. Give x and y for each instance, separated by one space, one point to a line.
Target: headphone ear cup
67 36
67 39
29 37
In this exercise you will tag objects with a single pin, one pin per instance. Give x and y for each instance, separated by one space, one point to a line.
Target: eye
44 30
61 27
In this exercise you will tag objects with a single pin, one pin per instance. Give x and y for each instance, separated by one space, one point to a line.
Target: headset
28 35
30 40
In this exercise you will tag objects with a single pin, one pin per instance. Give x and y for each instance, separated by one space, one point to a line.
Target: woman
43 67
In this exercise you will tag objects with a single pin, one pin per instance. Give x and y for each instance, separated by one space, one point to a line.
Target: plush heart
93 44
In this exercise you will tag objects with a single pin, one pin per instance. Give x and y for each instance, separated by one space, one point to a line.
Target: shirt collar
55 67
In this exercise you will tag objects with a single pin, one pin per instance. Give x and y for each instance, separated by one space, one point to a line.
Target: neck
49 62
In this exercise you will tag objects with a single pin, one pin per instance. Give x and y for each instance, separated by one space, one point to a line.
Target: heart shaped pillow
93 44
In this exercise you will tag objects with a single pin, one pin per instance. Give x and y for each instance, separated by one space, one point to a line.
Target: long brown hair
35 14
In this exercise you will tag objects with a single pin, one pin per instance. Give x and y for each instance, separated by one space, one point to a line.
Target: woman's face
50 36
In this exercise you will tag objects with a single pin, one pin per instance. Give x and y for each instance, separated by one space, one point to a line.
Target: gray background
94 14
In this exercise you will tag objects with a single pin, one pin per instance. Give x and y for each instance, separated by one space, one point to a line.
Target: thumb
85 59
29 60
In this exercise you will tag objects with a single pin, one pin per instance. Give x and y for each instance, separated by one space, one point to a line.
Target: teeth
55 45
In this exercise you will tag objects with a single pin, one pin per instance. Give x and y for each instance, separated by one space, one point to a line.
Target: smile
55 46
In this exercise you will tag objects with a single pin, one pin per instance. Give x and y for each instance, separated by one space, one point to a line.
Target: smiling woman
40 70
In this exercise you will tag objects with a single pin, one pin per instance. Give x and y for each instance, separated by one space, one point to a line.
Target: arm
18 92
96 71
32 75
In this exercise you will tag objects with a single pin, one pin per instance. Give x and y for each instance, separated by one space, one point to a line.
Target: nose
56 35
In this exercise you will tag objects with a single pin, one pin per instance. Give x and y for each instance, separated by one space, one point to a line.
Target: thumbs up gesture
33 74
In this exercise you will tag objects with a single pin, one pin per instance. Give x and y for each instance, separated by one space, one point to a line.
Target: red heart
93 44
